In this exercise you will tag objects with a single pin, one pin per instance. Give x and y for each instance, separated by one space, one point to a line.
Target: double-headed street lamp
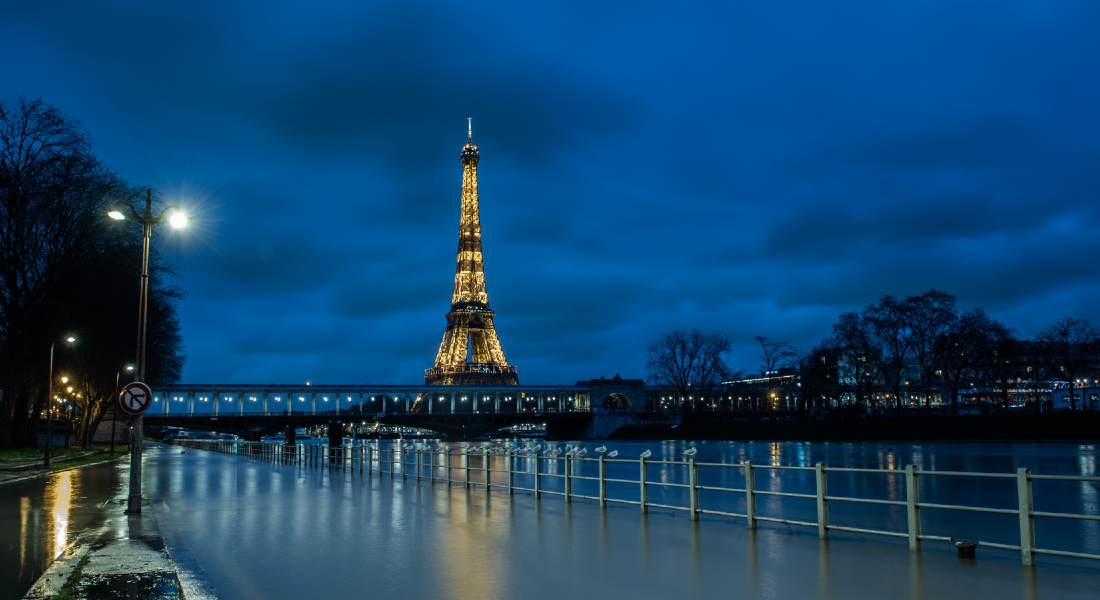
178 220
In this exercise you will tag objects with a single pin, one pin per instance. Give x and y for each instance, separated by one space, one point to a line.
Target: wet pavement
40 517
264 530
101 552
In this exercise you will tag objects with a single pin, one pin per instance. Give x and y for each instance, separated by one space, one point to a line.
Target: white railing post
1027 522
568 479
466 468
603 482
912 498
643 484
404 462
508 457
485 466
431 466
750 495
693 489
538 480
822 504
419 461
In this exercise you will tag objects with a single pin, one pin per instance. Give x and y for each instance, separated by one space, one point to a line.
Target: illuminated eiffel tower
470 353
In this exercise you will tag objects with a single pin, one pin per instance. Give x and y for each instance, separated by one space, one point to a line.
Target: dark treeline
68 270
905 355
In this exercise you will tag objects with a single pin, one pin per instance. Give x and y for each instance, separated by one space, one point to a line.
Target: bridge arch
616 401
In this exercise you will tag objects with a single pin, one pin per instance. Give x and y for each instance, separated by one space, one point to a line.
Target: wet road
40 517
277 531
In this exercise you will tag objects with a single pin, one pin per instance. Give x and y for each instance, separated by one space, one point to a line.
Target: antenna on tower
470 131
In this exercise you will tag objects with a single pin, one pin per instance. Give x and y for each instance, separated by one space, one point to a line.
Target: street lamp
49 405
114 409
177 219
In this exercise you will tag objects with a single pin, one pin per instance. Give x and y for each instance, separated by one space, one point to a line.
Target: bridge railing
351 412
441 465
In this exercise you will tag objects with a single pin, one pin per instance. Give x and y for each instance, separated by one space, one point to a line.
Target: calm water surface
275 531
265 530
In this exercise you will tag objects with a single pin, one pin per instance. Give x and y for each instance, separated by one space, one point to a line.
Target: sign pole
135 400
134 503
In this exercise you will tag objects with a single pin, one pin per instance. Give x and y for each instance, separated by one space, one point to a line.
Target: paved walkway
131 556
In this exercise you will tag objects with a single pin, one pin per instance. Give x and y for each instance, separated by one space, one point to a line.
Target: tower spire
470 329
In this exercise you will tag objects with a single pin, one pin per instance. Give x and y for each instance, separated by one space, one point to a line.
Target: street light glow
178 220
114 214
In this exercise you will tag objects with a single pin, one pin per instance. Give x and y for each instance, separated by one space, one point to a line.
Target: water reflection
41 517
356 535
58 500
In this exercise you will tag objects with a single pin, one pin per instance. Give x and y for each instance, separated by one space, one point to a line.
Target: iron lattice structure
470 353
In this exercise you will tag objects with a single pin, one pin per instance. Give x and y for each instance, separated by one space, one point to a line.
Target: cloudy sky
754 167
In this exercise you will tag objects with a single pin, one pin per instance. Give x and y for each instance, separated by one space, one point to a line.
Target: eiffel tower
470 353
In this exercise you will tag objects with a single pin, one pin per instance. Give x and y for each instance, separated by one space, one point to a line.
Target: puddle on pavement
153 586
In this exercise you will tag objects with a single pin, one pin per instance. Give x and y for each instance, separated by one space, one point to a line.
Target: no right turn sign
135 398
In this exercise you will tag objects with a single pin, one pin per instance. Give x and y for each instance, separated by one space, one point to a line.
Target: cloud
751 168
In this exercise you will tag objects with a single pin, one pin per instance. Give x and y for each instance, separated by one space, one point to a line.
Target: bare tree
858 362
1067 345
888 329
772 356
65 269
1000 363
930 315
811 373
691 362
961 349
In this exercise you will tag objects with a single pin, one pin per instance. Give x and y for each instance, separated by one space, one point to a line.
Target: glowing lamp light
114 214
178 220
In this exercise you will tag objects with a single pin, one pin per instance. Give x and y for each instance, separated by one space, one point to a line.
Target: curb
51 472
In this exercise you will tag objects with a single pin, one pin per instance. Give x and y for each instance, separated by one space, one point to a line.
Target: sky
750 167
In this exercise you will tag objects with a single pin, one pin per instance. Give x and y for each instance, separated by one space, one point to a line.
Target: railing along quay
382 461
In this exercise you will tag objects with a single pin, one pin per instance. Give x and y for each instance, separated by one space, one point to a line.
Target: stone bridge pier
611 404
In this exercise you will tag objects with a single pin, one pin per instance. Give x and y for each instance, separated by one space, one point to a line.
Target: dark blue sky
751 167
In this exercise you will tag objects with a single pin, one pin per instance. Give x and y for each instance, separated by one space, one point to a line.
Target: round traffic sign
135 398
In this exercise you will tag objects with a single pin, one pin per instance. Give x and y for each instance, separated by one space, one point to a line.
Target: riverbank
1063 426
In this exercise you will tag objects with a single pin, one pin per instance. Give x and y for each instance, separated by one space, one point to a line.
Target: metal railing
391 461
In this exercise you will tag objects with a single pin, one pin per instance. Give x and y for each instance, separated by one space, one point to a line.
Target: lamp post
178 220
114 410
49 407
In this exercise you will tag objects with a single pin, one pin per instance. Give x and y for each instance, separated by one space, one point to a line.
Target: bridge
587 409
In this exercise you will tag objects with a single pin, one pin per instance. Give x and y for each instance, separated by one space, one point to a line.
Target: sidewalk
13 470
131 556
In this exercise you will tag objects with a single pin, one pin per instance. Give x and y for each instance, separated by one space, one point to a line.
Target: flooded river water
266 530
